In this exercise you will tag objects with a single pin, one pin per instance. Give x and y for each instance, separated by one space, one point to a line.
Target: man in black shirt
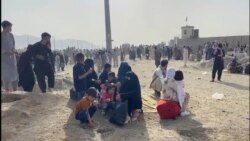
43 63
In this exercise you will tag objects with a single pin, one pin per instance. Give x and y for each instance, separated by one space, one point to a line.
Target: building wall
189 32
171 43
231 40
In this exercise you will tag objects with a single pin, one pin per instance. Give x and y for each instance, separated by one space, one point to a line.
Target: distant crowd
103 89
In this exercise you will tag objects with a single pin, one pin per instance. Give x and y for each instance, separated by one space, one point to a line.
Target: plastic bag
218 96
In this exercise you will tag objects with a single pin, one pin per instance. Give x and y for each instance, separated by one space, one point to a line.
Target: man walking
43 66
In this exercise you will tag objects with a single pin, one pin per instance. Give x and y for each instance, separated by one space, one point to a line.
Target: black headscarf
131 86
123 69
89 63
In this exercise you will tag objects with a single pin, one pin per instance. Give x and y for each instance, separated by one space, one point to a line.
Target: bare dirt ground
49 117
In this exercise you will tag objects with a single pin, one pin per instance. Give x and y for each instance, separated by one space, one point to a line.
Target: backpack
119 115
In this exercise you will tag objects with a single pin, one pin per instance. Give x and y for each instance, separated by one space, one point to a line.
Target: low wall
231 40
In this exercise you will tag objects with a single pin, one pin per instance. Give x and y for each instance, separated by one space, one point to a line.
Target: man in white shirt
159 76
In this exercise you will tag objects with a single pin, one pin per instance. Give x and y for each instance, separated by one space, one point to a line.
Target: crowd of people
102 88
106 89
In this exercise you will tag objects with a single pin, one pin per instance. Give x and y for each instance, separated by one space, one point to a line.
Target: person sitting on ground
111 79
123 69
108 98
86 107
168 106
183 97
234 66
80 75
91 80
158 77
130 91
104 75
24 67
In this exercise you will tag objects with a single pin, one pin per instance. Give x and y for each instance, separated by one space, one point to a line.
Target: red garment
168 109
105 96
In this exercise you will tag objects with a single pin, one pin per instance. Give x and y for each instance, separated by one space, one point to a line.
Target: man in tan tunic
9 64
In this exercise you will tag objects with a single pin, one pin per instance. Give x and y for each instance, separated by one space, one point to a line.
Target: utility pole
28 39
108 27
54 43
77 44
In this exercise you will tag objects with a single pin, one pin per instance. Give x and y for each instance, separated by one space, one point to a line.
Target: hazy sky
132 21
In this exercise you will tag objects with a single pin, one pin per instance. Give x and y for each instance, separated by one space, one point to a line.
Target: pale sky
132 21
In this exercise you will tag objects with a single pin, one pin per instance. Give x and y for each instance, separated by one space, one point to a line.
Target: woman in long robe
123 69
130 91
25 70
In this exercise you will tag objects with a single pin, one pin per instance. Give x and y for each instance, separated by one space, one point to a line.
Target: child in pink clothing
107 98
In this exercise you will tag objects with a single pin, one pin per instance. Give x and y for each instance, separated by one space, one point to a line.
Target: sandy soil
49 117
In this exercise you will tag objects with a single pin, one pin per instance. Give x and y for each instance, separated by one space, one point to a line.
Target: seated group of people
168 85
234 66
105 91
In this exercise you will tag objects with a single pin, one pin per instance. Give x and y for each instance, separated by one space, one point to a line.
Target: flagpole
54 43
186 20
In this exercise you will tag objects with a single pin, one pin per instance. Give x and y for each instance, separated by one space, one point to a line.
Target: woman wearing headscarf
91 78
130 91
168 105
24 68
123 69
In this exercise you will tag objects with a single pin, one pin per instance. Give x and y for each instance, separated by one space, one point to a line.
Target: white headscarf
180 92
170 73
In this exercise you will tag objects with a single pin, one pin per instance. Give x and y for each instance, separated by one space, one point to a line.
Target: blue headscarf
123 69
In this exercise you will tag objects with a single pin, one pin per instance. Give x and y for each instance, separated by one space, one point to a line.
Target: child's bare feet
127 120
91 125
